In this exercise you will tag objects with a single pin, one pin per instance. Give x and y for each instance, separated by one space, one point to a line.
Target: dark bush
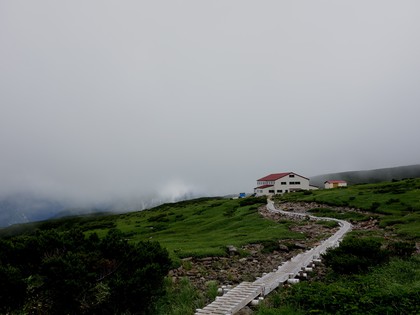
69 273
12 288
252 201
161 217
269 246
230 212
374 206
402 249
355 255
392 200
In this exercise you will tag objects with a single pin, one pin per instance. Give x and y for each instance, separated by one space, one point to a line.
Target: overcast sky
103 99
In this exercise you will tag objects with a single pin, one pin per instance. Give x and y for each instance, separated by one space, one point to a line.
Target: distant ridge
27 207
369 176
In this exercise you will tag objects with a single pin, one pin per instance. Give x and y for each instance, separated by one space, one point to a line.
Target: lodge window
271 191
291 175
279 191
283 183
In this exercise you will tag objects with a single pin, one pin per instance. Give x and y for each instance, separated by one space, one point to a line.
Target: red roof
336 182
276 176
263 186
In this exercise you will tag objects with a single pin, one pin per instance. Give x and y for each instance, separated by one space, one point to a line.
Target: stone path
250 292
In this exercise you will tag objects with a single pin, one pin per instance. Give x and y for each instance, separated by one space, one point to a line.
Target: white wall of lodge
263 191
289 183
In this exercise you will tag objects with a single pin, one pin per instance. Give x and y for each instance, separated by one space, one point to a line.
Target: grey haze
104 100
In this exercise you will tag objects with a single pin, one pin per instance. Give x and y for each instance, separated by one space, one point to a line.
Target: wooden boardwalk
247 292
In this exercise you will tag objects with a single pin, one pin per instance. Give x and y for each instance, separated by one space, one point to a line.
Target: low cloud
125 103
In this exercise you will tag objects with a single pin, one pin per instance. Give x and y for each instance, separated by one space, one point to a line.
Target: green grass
181 298
201 228
205 226
392 288
396 204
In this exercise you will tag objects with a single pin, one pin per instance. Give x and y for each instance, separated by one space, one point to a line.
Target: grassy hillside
378 270
200 227
396 204
204 227
370 176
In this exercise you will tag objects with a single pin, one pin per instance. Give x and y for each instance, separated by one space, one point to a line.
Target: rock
299 245
283 248
232 250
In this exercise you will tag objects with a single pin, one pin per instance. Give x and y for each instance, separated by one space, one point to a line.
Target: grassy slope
397 204
200 227
205 226
392 288
370 176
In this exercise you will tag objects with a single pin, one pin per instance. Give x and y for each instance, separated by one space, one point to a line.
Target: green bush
249 201
389 289
12 288
69 273
374 206
402 249
355 255
269 246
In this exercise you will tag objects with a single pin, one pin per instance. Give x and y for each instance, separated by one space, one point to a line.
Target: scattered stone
232 250
283 248
187 259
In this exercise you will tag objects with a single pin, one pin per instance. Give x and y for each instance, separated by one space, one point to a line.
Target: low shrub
269 246
389 289
402 249
355 255
69 273
249 201
161 217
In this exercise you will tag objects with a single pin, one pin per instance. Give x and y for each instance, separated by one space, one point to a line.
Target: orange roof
335 182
